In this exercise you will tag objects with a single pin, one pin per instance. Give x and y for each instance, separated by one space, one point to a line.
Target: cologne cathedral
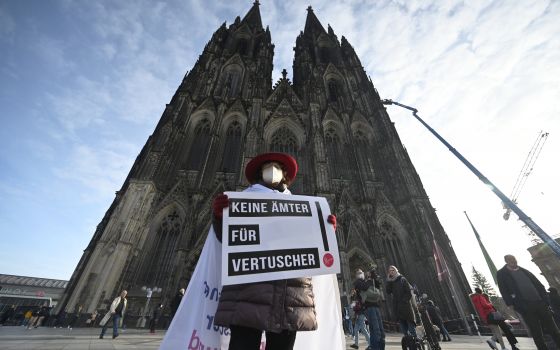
226 111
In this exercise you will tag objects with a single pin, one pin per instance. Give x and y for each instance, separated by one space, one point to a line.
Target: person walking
488 316
176 301
26 317
400 289
370 290
280 308
34 318
155 318
116 311
526 294
41 315
347 321
359 310
435 315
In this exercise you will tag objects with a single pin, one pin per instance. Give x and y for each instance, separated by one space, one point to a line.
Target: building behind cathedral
226 111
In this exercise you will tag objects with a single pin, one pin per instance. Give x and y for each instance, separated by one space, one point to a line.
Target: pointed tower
226 111
360 164
153 233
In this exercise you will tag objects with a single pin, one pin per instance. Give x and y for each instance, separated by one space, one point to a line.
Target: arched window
199 146
334 91
392 245
231 81
232 148
159 261
284 141
362 150
334 154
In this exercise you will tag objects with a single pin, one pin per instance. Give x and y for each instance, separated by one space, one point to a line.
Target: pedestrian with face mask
360 285
279 308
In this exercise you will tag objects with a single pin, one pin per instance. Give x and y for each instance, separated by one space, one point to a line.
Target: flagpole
454 294
489 261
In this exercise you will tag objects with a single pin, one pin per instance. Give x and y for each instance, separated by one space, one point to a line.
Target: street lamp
554 246
149 292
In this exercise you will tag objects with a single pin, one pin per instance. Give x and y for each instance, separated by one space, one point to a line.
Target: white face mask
360 276
272 174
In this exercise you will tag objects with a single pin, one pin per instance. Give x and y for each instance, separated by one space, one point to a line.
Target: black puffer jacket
270 306
402 295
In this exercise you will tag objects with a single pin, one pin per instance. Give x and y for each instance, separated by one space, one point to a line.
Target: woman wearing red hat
279 308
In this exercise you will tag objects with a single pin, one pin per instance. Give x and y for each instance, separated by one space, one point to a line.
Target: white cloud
101 169
484 73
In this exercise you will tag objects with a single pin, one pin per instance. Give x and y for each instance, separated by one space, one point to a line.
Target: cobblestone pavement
18 338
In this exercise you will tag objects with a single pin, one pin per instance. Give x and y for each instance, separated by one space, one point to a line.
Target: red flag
441 265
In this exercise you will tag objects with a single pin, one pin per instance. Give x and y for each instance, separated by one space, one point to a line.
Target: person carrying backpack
370 291
359 309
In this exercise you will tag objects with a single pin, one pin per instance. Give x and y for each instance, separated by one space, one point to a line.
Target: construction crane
526 170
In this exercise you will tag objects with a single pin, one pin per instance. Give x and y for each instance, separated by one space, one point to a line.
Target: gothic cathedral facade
226 111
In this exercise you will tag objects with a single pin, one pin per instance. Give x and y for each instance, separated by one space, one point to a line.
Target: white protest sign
271 236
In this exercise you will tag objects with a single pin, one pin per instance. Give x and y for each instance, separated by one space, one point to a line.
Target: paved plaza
18 338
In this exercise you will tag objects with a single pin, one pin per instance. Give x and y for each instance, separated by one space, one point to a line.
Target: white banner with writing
192 327
271 236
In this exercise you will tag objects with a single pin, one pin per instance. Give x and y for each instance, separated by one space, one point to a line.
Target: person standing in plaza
435 316
27 317
176 301
526 294
155 318
359 309
280 308
9 313
91 319
34 318
372 286
60 319
400 289
76 317
116 312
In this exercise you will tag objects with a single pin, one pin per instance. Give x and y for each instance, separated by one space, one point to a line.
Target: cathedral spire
312 25
253 17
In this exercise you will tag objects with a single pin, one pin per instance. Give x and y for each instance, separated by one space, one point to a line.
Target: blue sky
83 84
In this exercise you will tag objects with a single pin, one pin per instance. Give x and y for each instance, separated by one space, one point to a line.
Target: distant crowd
421 320
417 316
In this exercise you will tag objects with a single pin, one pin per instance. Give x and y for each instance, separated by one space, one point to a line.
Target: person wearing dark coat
554 303
155 318
280 308
360 285
435 316
177 301
9 313
373 311
526 294
60 319
400 289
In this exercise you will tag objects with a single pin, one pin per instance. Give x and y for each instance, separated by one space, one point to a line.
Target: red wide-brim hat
255 165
